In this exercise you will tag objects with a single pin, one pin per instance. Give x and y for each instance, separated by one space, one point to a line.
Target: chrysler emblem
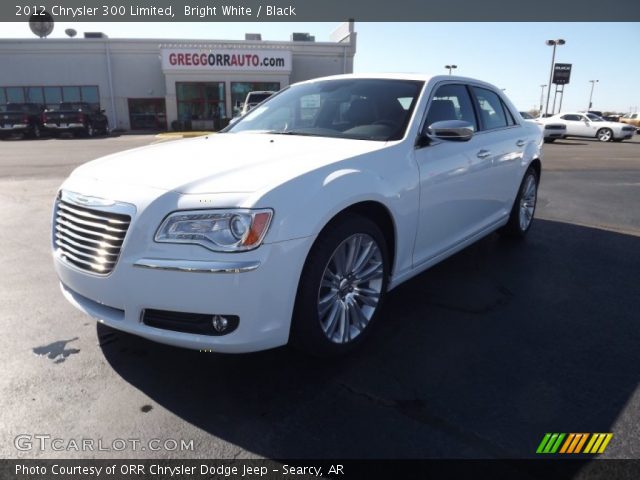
86 200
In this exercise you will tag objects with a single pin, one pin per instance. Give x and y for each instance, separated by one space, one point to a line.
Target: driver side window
451 102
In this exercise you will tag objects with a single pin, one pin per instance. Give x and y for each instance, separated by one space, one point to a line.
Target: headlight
234 230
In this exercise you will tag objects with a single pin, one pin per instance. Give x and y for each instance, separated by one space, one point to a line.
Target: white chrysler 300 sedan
294 223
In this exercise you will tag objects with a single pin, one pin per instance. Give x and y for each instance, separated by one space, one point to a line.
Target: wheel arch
379 214
536 164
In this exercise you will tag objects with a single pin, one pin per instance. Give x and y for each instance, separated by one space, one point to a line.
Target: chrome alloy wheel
528 202
605 135
350 288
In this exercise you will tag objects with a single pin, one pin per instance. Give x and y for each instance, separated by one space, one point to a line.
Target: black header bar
324 10
210 469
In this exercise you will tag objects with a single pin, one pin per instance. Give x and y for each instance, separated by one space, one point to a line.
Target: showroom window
239 91
51 96
200 104
15 95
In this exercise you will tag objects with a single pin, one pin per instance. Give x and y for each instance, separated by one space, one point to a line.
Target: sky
512 56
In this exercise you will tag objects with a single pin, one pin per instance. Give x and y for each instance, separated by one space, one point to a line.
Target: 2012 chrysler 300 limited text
293 224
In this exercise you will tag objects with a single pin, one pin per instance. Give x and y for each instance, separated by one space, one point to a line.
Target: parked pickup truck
21 118
77 118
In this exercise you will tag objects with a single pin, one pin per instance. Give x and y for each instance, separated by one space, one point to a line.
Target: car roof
401 76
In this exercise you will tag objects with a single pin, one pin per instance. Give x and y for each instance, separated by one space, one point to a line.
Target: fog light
220 323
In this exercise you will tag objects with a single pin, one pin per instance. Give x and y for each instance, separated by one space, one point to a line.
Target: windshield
364 109
594 118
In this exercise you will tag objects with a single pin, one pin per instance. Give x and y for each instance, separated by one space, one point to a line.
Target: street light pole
552 43
593 83
450 67
541 99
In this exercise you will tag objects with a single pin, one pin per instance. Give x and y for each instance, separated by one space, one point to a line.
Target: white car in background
550 131
590 125
294 223
254 98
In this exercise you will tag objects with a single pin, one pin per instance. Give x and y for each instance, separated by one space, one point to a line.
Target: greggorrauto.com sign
228 60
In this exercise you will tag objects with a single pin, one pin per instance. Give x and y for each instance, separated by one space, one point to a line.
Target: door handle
520 143
483 153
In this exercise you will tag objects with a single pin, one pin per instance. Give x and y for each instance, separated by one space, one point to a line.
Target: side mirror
456 130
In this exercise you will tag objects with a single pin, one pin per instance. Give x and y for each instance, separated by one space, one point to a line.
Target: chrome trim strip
196 266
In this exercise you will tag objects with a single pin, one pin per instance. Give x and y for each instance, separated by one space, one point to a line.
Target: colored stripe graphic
606 442
555 447
581 442
573 443
543 443
591 442
567 442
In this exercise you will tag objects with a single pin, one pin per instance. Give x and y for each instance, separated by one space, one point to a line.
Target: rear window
492 111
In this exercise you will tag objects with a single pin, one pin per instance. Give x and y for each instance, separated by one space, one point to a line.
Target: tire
549 140
335 310
604 135
524 207
36 132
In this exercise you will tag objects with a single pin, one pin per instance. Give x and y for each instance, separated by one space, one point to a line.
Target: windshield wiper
291 132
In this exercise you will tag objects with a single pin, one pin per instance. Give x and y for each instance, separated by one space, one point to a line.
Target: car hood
218 163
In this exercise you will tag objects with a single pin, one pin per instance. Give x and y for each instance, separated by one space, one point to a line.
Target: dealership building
158 84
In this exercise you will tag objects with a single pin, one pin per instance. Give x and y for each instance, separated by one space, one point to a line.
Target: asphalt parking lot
476 358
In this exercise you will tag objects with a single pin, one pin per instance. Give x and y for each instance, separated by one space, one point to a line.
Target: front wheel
604 134
341 287
524 206
36 132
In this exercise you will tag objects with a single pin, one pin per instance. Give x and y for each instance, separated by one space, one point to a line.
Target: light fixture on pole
593 83
552 43
451 67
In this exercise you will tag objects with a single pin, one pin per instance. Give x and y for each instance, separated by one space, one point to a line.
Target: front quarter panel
306 204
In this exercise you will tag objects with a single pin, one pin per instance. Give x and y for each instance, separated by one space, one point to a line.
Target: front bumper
260 290
259 286
626 134
14 128
64 126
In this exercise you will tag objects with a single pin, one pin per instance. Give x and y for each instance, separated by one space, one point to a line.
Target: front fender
305 205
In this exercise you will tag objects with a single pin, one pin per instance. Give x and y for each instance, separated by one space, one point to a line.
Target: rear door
461 190
503 140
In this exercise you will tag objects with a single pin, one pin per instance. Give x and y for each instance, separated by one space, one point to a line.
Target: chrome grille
88 238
